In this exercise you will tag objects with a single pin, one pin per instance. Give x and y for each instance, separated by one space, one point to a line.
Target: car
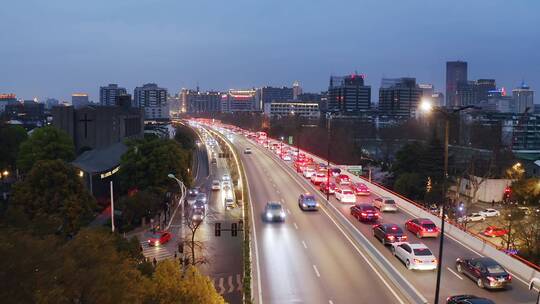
199 204
525 210
201 196
197 215
493 231
335 171
286 157
229 202
216 185
422 227
360 189
307 201
473 217
319 177
159 238
490 212
225 177
191 198
327 188
308 172
389 233
226 185
214 161
385 204
247 151
468 299
345 195
415 255
364 212
486 272
274 211
343 179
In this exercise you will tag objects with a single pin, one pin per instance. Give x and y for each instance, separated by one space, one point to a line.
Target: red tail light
509 277
404 237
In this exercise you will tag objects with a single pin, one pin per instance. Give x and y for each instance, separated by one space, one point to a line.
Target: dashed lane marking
316 271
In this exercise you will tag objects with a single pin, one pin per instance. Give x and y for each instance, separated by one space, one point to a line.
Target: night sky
54 48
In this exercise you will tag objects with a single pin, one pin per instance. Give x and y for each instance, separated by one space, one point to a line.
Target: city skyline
218 51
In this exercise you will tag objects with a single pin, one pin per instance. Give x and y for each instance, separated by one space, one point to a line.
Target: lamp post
427 107
182 191
329 128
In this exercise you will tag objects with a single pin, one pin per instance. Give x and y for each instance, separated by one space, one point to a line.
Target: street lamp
182 191
329 136
427 107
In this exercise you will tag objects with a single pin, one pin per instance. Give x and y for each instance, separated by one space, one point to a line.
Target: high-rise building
399 97
153 100
79 100
438 99
293 108
482 87
456 74
7 99
51 102
270 94
348 95
465 94
523 98
201 102
427 90
239 101
108 96
297 89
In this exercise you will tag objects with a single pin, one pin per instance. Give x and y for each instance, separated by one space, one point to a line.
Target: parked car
360 189
385 204
307 201
159 238
468 299
389 233
415 256
343 179
422 227
494 231
473 217
490 212
345 195
486 272
364 212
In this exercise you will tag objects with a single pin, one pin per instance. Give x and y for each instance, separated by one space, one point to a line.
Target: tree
148 161
171 286
407 159
11 136
526 191
411 185
185 136
54 198
143 204
47 143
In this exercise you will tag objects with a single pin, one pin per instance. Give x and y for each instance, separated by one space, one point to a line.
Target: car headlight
316 204
268 215
157 243
304 205
282 214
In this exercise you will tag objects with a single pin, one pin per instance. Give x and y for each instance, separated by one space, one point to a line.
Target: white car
490 212
286 157
216 185
473 217
345 195
226 185
226 177
415 256
308 172
318 178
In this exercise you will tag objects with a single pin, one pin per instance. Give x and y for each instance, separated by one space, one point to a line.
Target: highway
306 259
275 179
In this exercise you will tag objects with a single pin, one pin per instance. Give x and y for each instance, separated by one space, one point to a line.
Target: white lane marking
455 273
316 271
231 285
304 243
351 242
288 211
330 302
277 191
239 282
221 287
282 200
295 226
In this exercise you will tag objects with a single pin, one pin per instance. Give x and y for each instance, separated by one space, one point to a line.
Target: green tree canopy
526 191
407 158
53 193
142 204
11 136
185 136
148 161
411 185
47 143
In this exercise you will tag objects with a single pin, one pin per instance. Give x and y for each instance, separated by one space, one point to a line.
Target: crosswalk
228 284
157 252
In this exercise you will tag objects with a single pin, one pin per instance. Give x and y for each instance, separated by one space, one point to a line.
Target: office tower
523 98
292 108
465 94
108 96
79 100
124 101
297 90
427 90
153 100
438 99
456 74
270 94
51 102
399 97
348 95
201 102
238 101
7 99
482 88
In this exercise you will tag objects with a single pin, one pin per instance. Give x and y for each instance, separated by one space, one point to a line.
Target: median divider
406 289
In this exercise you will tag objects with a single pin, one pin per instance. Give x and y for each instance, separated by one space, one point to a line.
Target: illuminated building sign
109 173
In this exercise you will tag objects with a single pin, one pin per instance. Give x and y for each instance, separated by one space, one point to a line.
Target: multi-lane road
310 259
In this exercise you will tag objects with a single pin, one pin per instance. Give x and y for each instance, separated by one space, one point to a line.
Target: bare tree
193 219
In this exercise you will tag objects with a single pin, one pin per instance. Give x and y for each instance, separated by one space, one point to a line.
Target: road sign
356 170
290 140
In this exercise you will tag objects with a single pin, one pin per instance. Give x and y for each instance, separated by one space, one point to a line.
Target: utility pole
112 207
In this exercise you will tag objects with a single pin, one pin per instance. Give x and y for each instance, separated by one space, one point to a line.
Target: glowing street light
426 106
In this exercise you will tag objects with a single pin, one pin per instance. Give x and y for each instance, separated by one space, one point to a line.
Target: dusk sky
57 47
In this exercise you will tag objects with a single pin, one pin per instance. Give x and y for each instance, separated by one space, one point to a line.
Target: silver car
385 204
274 211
